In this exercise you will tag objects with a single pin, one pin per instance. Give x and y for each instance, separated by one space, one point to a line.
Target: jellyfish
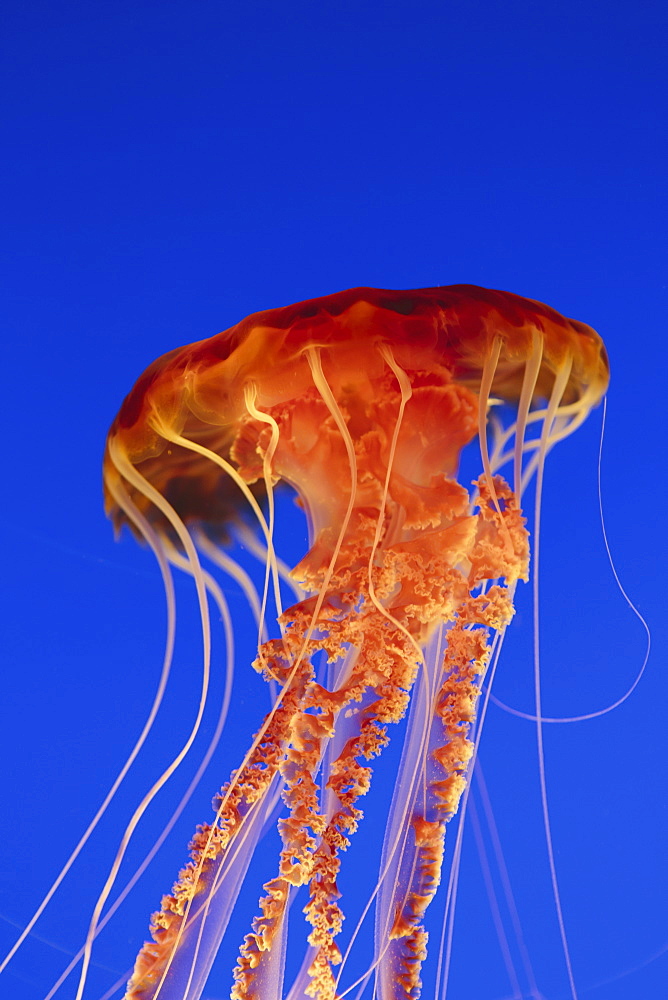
361 403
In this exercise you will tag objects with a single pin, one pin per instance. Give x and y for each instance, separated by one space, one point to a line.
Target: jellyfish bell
362 403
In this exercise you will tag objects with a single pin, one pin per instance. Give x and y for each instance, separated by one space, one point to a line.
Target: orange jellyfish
362 403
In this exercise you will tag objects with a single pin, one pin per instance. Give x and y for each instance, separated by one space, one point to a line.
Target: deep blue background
174 166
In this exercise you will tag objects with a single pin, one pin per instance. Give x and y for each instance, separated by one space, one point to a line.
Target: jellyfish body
361 402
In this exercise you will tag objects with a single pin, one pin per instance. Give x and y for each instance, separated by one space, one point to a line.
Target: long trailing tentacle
219 598
128 472
147 532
